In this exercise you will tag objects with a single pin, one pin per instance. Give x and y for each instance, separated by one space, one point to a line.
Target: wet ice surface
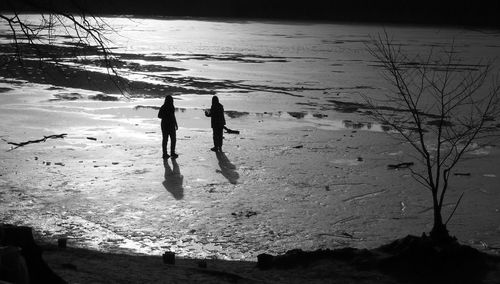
308 169
286 181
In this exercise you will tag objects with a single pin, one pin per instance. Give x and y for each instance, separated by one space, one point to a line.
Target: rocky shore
407 260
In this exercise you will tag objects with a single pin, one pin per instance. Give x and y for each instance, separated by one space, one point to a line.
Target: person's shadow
173 179
227 169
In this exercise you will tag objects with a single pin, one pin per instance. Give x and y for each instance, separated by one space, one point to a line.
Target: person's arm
175 121
160 112
208 113
222 115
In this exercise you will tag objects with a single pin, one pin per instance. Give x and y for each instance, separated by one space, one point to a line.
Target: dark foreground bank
407 260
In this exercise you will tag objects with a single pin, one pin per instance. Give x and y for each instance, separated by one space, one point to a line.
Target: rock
61 243
202 264
13 266
22 237
265 261
169 257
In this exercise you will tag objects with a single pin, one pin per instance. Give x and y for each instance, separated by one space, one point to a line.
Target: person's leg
164 141
218 138
173 141
214 136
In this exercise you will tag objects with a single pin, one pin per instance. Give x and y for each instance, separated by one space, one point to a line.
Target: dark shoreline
406 260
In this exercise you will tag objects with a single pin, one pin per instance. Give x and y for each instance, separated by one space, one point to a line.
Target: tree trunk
439 232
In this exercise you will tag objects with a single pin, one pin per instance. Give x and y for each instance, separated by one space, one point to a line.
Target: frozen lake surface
309 169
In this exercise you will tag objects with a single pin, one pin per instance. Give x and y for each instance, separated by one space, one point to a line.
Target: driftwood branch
21 144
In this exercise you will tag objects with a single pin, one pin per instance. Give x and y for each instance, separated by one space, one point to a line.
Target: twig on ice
21 144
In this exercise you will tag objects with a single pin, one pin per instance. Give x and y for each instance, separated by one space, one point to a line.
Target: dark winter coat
216 113
167 115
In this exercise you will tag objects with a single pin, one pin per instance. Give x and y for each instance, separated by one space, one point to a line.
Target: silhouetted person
168 127
216 113
173 179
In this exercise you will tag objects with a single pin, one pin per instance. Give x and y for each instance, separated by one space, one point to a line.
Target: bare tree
441 106
37 34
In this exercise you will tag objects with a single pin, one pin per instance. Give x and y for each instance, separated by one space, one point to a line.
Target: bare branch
454 209
85 29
